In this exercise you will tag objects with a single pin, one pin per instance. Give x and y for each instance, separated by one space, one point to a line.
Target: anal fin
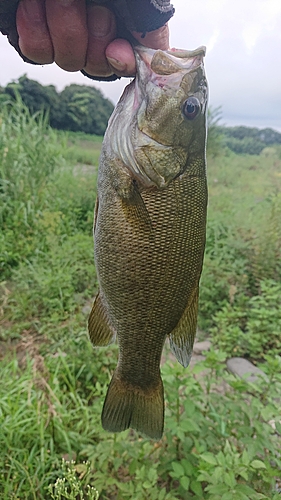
183 335
101 332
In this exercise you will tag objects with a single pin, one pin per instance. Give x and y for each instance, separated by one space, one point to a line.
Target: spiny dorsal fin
100 330
182 337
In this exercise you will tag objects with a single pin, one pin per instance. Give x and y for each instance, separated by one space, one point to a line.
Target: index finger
158 39
67 24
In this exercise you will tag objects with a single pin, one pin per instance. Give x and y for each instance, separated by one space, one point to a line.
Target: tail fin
128 406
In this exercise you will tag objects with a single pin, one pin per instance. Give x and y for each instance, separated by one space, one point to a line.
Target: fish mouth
169 62
163 69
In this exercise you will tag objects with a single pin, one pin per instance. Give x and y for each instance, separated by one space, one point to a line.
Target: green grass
50 409
82 148
243 232
222 435
241 189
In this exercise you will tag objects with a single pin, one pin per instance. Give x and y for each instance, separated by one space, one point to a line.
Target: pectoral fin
182 337
100 330
133 206
136 211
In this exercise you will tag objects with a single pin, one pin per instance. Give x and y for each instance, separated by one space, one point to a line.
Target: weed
252 325
69 486
213 439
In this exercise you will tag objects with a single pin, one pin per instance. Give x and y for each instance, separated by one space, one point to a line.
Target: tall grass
29 152
29 155
35 214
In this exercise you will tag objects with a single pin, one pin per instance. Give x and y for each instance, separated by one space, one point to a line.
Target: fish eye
191 108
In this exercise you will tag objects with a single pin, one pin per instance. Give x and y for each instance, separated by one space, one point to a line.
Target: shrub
252 325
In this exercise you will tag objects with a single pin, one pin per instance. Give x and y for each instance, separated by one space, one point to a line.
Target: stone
199 347
86 309
196 358
245 369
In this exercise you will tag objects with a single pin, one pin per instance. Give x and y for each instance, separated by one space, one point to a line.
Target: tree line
239 139
77 108
248 140
81 108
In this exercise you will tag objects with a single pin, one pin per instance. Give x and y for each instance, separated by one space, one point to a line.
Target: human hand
78 36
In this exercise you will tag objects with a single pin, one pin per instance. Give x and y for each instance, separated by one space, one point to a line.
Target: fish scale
150 237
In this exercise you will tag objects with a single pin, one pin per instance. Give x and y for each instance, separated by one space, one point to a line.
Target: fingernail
100 21
117 64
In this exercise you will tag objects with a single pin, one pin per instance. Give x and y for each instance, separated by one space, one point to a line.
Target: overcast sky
243 61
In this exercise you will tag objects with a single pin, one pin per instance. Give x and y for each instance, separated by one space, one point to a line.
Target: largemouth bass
149 231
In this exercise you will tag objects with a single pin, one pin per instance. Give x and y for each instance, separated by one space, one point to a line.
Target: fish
150 230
